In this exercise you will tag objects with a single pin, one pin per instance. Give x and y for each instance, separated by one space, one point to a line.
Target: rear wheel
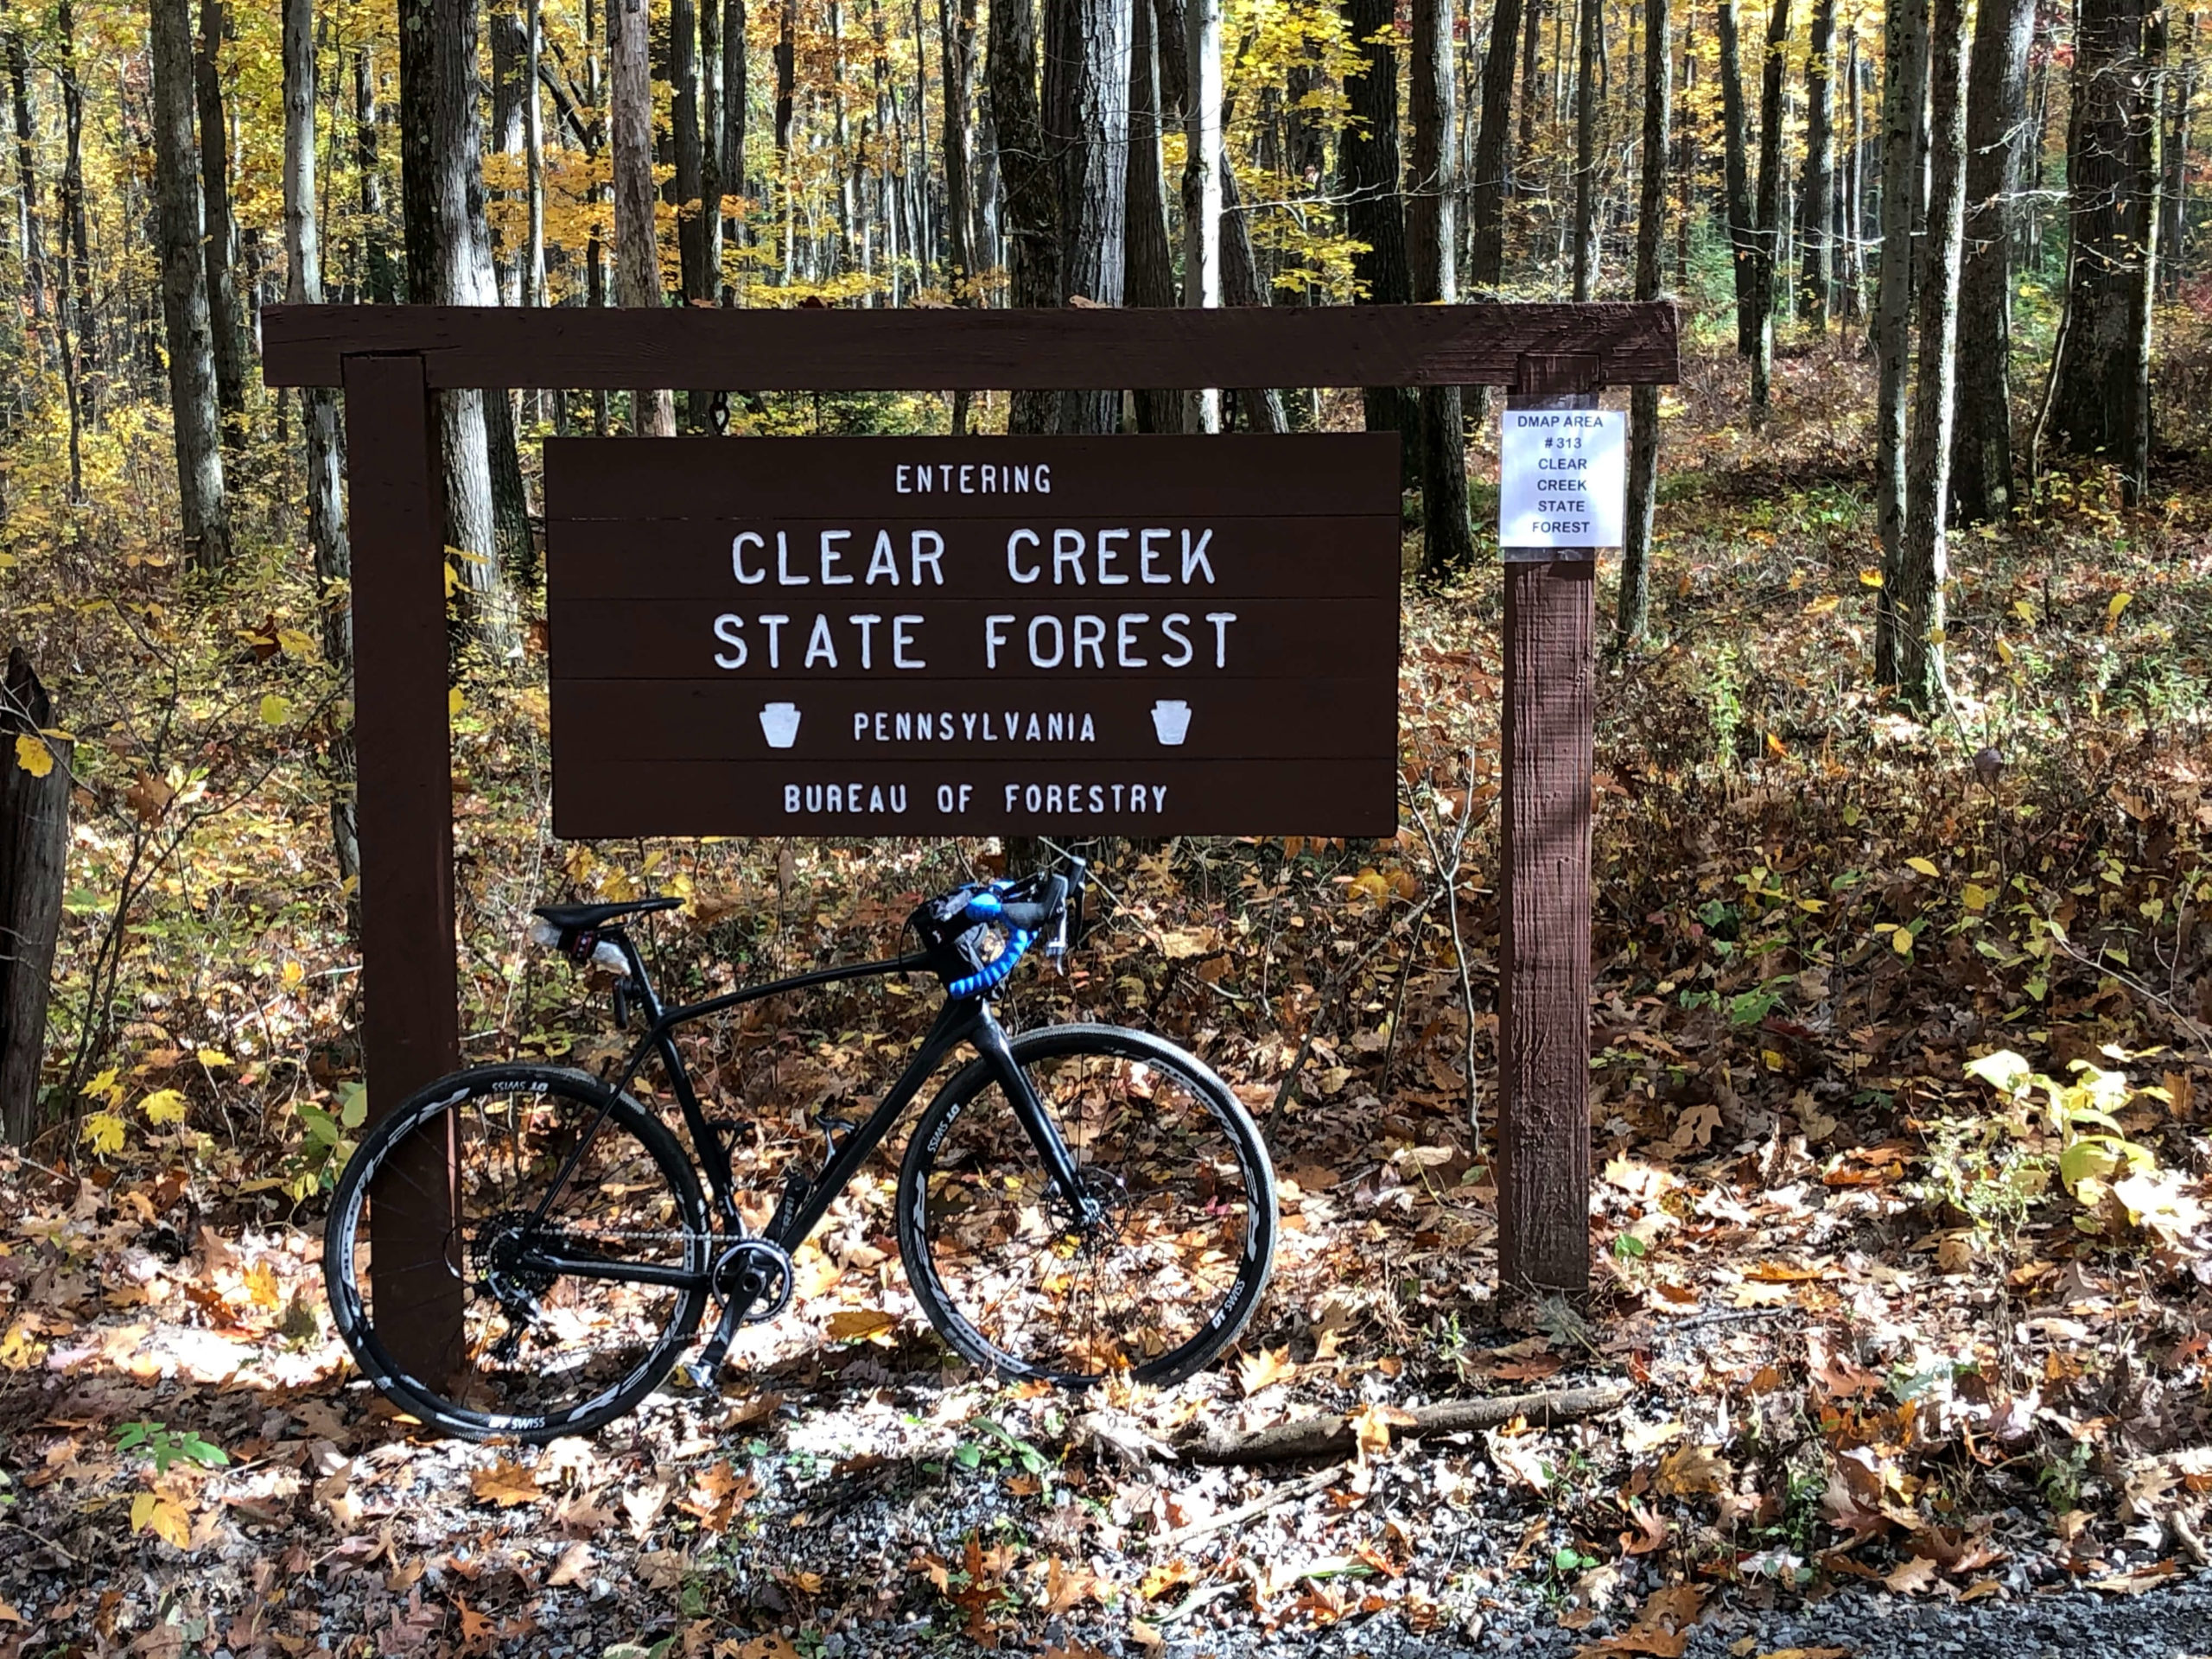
542 1353
1163 1273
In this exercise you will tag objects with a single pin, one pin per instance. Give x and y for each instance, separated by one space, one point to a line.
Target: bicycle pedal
700 1375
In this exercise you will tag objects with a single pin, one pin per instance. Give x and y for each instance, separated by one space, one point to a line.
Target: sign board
974 636
1562 478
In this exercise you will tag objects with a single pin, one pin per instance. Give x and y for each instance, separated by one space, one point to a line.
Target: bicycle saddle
565 916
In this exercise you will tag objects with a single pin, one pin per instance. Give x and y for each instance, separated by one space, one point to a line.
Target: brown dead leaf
1650 1531
574 1567
1265 1369
644 1506
1067 1587
1910 1577
1692 1469
504 1484
1372 1423
2136 1582
859 1324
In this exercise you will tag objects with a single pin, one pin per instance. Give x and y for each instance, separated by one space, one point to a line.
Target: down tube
957 1023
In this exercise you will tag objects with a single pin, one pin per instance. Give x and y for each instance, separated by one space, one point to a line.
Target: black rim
541 1350
1158 1281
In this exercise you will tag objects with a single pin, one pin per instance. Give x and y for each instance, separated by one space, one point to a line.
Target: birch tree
201 503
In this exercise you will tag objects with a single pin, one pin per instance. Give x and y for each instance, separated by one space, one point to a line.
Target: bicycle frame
967 1020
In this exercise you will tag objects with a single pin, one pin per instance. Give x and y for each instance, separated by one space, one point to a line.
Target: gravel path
2171 1623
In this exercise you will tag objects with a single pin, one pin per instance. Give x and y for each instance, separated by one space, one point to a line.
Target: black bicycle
1076 1200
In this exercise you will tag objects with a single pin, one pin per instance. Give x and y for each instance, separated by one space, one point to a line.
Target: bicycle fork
959 1022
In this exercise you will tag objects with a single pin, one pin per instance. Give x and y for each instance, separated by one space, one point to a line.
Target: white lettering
1194 558
1147 556
883 562
737 557
1012 565
726 627
1172 625
1220 620
1125 646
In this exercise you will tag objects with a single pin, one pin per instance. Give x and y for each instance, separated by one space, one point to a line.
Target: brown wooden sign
974 636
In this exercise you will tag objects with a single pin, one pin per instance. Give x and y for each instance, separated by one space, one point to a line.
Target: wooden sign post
1543 1016
390 360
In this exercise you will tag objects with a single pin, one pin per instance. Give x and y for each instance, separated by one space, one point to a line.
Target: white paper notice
1562 478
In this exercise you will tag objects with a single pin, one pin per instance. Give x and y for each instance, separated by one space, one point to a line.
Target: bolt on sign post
1240 683
1560 498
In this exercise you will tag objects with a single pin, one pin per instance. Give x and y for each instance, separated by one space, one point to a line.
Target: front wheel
1169 1263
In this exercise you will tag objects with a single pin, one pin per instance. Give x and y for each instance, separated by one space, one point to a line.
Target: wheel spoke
536 1344
1048 1294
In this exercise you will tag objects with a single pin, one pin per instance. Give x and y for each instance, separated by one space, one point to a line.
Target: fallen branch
1330 1435
1291 1493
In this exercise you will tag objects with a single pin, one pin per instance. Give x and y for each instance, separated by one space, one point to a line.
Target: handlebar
1059 905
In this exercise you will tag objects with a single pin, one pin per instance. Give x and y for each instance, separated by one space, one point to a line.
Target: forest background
1901 765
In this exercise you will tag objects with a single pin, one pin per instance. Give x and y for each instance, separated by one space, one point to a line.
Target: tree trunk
333 561
1204 166
637 254
1433 238
1764 259
1030 207
382 276
1815 209
693 274
218 227
1633 610
28 236
1486 191
33 871
449 262
714 120
736 89
1374 206
1585 150
533 144
1905 97
2174 198
1531 86
1851 207
77 278
2101 392
1997 109
1087 129
1150 279
1240 285
1688 160
1736 181
1910 605
508 34
956 24
193 406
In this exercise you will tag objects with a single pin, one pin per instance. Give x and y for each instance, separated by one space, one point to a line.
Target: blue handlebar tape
985 907
985 978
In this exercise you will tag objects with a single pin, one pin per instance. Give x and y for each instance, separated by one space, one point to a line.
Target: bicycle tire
628 1147
970 1167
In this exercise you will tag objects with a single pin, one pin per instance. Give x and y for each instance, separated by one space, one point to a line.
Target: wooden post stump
33 860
